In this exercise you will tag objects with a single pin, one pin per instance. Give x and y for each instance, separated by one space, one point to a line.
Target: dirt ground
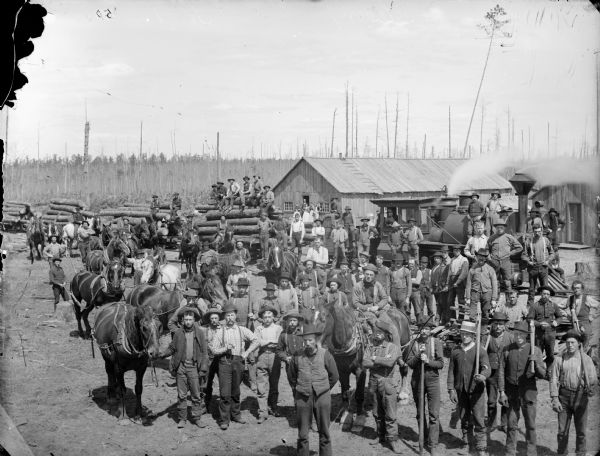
57 399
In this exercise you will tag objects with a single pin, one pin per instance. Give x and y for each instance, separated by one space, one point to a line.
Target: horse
188 253
142 233
117 248
35 238
95 261
95 290
280 262
209 288
165 303
345 340
127 337
167 276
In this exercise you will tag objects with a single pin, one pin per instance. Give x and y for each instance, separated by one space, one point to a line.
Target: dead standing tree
495 22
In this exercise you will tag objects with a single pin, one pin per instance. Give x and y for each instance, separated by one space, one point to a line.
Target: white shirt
320 257
474 244
318 231
268 334
297 227
307 217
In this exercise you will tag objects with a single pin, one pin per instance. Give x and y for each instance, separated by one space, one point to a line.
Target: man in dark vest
313 374
382 364
189 364
544 314
290 342
517 386
427 350
496 342
467 387
585 309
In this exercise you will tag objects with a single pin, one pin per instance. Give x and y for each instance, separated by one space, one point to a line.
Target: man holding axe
426 359
381 362
519 365
469 367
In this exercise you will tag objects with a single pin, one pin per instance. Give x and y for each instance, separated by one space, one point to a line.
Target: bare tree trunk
377 133
333 131
396 129
346 120
487 57
449 132
481 129
407 120
387 130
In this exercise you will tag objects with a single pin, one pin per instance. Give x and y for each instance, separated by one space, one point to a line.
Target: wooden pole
356 130
449 132
396 129
377 133
478 338
424 145
219 159
548 146
346 119
407 120
333 131
532 343
141 135
352 128
422 403
387 130
481 128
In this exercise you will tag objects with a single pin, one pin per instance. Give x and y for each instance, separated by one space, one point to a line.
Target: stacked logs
11 213
244 224
61 210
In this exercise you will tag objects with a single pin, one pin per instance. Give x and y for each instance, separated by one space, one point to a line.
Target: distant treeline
111 180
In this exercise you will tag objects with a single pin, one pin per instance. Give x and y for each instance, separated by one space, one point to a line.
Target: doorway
575 222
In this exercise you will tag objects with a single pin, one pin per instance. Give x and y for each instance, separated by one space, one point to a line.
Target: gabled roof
392 175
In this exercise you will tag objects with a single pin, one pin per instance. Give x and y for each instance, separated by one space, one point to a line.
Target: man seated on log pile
221 194
175 205
268 199
154 207
233 192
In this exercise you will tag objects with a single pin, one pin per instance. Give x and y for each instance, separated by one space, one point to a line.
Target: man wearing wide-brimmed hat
308 297
517 387
297 232
58 281
496 342
247 308
317 277
544 314
229 344
313 373
286 294
467 387
537 255
334 294
268 364
187 303
502 246
369 295
339 237
413 236
428 350
349 225
475 211
238 272
573 379
492 209
400 284
234 190
189 365
439 279
382 364
271 299
481 286
212 320
458 270
290 341
384 274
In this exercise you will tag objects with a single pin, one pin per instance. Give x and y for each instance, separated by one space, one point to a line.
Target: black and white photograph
300 227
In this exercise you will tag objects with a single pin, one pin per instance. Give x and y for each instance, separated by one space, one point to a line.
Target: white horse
168 276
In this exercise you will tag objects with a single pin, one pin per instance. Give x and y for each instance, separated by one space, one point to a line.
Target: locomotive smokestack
522 184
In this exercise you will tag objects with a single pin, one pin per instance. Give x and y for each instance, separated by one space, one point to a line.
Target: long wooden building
357 181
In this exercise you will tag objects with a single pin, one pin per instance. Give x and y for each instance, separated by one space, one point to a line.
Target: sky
268 75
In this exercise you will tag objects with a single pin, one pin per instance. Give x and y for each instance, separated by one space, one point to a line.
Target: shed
578 206
357 181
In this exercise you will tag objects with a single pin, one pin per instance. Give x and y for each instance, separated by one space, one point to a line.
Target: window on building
325 207
288 206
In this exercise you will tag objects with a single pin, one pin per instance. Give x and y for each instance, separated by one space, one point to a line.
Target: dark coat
178 346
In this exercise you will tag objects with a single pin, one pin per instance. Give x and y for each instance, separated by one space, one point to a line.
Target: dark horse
95 290
346 337
163 302
128 337
188 253
280 262
35 238
117 248
95 261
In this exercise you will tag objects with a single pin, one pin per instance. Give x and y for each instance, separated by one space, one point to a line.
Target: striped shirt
236 336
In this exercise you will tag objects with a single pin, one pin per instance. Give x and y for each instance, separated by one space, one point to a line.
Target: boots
395 445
